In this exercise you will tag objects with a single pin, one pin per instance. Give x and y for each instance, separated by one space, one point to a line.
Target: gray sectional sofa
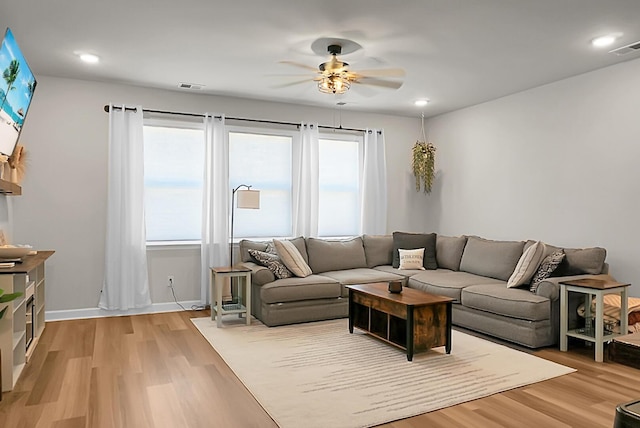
472 270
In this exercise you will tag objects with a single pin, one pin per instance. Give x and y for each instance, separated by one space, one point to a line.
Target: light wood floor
158 371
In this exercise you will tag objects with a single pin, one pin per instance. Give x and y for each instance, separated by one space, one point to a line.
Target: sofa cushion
272 262
301 245
449 251
411 241
293 289
378 250
495 259
510 302
445 282
361 276
325 255
580 261
292 259
411 259
527 265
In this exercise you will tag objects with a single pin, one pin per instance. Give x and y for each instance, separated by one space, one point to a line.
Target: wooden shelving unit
10 189
28 278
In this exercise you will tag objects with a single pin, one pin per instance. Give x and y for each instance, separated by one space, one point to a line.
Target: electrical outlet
170 281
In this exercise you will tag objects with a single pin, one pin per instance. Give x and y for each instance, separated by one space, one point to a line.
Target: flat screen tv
16 90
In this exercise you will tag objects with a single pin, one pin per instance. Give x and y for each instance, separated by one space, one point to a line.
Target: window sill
173 245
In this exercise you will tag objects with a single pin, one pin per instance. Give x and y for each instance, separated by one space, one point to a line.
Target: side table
598 286
216 282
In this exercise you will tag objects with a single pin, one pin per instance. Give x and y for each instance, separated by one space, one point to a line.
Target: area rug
319 375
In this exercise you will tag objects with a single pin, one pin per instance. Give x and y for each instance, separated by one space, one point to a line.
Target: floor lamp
247 199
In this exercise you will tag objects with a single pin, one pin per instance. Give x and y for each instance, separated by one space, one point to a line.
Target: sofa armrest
260 275
549 289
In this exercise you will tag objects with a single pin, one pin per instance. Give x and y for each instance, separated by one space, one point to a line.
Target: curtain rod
242 119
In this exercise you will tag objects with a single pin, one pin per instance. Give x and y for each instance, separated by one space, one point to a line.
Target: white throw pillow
411 259
527 265
292 258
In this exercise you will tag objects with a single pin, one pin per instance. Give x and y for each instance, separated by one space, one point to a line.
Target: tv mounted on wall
17 85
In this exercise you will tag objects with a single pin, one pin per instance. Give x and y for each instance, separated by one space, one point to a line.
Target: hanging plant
423 164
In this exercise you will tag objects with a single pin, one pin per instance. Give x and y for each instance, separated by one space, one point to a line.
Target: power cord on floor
193 307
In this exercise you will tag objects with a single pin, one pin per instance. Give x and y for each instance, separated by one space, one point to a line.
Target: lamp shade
249 199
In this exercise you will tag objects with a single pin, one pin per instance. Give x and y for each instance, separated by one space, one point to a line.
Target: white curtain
305 178
126 281
215 214
374 184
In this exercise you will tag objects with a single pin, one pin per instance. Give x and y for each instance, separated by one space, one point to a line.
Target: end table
216 281
598 286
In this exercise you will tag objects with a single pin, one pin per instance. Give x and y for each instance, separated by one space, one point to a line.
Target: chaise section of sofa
484 303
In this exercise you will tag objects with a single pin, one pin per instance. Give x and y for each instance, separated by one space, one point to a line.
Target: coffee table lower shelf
413 321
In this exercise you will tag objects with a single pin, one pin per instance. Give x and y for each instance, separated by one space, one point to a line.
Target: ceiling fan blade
364 90
382 72
297 64
297 82
378 82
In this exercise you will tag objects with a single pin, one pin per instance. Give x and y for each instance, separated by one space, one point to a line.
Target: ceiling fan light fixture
334 84
421 103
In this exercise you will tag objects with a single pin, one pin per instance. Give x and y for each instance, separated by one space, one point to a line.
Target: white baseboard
73 314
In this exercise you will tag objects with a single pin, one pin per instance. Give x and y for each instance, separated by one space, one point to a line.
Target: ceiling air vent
194 86
633 47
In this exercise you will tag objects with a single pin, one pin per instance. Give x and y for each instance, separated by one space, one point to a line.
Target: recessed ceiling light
89 58
421 103
602 41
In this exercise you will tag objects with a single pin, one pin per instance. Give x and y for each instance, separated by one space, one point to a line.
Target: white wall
558 163
64 193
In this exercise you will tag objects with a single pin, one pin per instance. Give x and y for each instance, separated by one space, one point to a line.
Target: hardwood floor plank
155 371
74 390
104 406
47 385
165 407
135 409
79 422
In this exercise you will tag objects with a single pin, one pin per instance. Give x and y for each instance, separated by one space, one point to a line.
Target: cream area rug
319 375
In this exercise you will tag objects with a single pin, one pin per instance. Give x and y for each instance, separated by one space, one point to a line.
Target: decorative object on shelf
423 162
395 287
4 163
17 163
247 199
6 298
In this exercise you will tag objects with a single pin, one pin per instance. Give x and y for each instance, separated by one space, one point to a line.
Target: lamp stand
233 209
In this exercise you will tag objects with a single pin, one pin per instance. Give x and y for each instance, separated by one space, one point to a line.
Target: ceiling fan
336 77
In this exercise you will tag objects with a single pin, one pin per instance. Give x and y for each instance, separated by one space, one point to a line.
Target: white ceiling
455 52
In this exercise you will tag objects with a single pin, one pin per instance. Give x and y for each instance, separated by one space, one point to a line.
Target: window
340 161
262 160
173 178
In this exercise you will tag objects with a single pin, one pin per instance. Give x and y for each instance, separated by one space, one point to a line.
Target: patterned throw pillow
548 265
271 262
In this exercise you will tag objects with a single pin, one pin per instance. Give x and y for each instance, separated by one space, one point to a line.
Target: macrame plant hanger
423 162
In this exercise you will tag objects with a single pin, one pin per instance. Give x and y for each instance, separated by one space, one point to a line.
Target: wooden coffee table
413 320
